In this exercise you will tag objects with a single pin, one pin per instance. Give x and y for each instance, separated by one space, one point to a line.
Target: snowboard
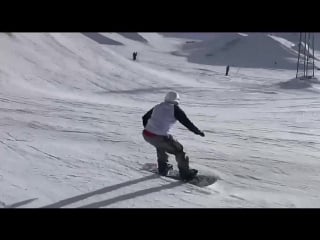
200 180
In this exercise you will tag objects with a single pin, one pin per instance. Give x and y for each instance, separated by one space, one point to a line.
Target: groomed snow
71 108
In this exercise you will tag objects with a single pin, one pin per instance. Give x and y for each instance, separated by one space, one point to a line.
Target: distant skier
227 70
157 123
134 56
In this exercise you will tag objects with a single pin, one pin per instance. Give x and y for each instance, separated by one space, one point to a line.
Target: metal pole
313 54
298 63
304 60
308 53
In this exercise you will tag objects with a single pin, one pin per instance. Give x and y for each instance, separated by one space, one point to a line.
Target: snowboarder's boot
163 169
189 175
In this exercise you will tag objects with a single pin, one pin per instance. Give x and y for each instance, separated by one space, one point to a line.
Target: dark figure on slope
157 123
134 56
227 70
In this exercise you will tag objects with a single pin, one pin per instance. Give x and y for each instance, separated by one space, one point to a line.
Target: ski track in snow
70 120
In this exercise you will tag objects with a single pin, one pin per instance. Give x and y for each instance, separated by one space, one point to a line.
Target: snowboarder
157 123
227 70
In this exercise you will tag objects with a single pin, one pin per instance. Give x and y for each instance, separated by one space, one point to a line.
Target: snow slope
70 121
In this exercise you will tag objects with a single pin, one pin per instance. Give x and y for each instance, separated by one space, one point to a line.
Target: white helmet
172 97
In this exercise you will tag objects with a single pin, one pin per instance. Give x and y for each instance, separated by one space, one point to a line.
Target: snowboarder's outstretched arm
184 120
146 117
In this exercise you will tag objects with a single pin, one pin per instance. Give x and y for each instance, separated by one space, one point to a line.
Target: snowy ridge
70 120
256 50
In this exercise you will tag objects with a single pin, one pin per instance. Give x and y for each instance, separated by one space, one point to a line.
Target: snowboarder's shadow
112 188
132 195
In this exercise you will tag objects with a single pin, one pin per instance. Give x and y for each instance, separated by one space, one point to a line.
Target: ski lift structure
305 63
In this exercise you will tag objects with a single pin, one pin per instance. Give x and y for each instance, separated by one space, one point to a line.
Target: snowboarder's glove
201 133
